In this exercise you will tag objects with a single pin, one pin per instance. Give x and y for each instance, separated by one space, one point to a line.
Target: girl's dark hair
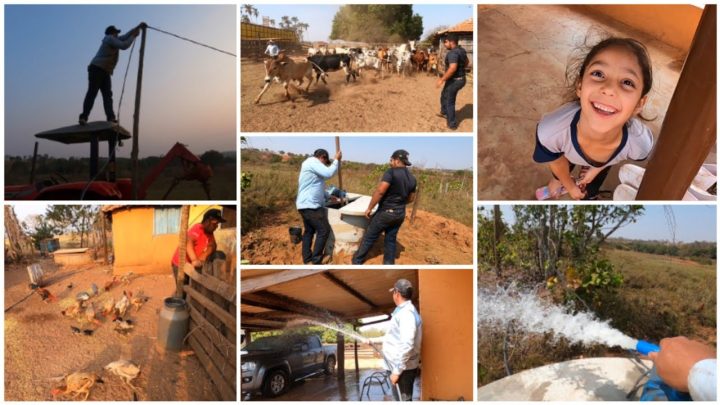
577 65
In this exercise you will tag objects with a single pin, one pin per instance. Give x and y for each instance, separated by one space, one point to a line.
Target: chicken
127 278
125 369
112 283
122 305
82 296
46 295
94 289
123 326
139 300
73 310
108 306
77 383
90 314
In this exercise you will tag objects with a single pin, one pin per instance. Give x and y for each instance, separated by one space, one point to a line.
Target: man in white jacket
688 366
401 344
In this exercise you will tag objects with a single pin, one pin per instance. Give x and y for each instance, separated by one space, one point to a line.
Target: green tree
376 23
212 158
74 218
38 228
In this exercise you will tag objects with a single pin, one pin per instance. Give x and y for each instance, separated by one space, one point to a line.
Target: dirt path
372 104
430 240
40 345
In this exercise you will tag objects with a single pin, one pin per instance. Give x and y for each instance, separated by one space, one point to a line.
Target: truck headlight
249 366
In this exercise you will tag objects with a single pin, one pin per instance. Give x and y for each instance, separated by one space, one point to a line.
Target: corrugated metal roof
465 26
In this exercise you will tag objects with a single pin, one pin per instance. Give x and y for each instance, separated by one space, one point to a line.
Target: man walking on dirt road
396 189
310 203
101 68
454 78
402 342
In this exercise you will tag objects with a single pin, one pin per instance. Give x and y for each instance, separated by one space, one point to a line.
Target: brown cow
287 70
420 60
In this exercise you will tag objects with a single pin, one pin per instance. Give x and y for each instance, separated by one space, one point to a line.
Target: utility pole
136 118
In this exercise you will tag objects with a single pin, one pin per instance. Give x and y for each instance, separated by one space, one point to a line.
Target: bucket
295 234
173 323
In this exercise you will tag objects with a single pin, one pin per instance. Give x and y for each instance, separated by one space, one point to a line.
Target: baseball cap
111 30
404 287
214 214
402 155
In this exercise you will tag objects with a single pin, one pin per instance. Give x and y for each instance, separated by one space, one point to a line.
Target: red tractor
57 187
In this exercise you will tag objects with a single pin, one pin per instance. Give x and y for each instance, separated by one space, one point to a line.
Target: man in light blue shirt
310 203
101 68
272 49
402 342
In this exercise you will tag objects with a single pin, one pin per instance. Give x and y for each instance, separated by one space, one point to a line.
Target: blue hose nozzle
646 348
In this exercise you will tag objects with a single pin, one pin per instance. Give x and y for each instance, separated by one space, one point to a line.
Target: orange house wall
446 307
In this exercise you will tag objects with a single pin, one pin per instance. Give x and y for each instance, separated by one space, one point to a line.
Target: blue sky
693 223
188 93
320 17
426 152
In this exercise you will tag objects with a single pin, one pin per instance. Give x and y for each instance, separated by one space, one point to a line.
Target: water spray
353 335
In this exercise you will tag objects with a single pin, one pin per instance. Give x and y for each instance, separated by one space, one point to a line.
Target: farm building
270 299
254 38
144 238
464 31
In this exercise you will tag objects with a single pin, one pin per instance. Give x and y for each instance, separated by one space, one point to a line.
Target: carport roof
271 298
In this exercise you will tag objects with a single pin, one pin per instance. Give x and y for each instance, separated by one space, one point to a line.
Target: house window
166 221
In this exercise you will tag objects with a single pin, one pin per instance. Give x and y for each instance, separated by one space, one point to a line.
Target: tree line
704 252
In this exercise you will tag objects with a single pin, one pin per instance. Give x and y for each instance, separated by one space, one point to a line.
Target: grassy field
273 187
660 297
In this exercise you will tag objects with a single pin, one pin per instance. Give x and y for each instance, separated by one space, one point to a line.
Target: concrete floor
522 54
329 388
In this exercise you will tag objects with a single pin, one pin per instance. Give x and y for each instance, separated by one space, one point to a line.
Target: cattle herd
403 59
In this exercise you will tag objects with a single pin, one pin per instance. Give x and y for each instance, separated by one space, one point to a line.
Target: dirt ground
39 344
430 240
372 104
522 56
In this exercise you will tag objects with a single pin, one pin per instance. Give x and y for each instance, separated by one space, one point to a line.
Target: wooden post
357 363
415 203
689 130
182 247
136 121
340 185
340 355
32 169
104 237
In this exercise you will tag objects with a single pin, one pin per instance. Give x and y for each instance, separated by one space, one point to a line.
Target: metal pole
136 121
689 129
340 355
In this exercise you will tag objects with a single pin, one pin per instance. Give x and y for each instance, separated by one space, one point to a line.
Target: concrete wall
673 24
136 249
446 307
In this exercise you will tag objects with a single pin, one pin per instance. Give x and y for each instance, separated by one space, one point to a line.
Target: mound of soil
371 104
431 239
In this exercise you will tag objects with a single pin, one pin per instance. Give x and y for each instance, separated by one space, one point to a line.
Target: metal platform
100 130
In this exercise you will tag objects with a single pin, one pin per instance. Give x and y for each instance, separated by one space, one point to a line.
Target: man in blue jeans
310 203
101 68
396 189
454 78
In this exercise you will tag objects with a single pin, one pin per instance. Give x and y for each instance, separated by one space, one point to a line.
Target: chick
108 306
77 383
73 310
110 284
138 300
123 326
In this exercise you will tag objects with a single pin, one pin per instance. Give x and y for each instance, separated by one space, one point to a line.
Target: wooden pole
689 130
104 238
136 121
340 355
32 169
357 362
340 185
182 250
415 204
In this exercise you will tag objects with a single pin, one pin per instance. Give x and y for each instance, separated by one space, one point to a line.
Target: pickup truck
270 364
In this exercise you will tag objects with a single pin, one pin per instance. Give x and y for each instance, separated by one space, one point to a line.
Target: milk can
173 324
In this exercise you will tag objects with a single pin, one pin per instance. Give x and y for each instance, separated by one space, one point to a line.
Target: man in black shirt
454 78
396 189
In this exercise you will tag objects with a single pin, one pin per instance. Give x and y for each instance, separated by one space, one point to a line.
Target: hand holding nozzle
676 357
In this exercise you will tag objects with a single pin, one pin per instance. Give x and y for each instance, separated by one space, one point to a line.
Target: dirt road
430 240
372 104
39 344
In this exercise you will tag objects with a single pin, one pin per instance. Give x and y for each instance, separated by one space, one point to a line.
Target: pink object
543 193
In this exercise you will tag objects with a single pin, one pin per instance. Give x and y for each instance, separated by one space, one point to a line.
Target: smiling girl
600 127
